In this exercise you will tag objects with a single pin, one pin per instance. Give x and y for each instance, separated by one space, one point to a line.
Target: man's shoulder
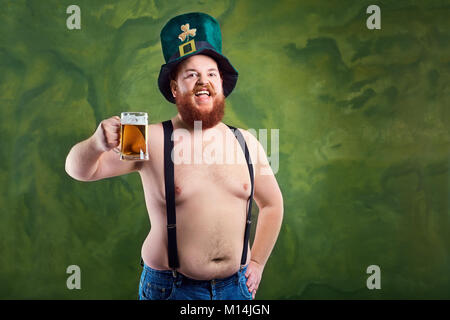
233 127
155 128
248 136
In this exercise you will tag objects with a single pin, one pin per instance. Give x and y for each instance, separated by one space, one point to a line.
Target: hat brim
229 73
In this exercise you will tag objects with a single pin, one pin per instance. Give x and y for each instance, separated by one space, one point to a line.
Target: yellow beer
133 136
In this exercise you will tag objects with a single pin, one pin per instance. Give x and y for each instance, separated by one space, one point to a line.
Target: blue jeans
163 285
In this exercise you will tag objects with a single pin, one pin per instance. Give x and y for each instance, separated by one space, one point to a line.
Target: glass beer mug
133 136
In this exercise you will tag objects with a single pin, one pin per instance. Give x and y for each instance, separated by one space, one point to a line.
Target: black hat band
191 47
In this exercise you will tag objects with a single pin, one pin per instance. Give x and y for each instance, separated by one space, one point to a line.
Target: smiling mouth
202 92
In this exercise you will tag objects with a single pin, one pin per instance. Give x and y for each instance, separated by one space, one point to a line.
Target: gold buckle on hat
187 47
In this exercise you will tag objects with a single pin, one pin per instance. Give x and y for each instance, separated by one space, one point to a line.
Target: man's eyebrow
210 69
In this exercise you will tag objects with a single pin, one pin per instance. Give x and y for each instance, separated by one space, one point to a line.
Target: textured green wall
364 141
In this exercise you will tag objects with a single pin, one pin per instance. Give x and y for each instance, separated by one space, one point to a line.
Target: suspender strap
244 147
170 195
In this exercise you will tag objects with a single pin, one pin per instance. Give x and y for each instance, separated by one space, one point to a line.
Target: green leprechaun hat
187 35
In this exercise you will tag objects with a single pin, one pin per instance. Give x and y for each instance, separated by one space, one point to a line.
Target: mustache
208 86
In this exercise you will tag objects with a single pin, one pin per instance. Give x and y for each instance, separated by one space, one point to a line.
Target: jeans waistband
169 276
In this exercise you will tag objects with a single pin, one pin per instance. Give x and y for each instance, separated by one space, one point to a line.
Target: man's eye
190 75
212 74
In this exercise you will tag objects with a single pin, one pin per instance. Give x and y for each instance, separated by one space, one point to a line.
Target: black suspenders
248 222
170 194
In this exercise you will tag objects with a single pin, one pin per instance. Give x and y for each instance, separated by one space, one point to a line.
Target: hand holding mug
107 135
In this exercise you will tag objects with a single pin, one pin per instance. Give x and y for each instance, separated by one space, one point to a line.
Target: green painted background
364 141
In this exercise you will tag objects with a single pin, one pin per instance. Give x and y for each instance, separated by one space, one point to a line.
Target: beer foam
133 118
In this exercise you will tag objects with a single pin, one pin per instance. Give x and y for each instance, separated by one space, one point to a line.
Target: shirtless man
210 199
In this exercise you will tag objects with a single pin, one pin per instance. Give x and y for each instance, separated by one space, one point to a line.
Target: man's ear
173 87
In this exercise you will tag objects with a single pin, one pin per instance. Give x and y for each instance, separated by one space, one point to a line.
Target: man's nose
202 79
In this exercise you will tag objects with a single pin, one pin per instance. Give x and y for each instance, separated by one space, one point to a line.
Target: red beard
189 112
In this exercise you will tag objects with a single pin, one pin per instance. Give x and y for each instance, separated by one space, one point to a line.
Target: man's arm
269 199
93 159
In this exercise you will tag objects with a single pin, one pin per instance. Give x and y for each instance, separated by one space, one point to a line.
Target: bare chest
207 169
215 180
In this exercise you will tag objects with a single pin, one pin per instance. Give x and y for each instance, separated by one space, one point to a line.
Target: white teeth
202 92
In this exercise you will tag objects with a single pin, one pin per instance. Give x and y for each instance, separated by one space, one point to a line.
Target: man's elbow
277 203
274 210
70 170
75 176
277 209
280 211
